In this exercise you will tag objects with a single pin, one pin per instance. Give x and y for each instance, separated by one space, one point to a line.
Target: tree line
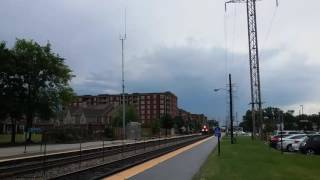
273 116
164 122
34 82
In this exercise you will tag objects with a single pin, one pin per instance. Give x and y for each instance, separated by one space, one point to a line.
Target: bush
64 135
108 133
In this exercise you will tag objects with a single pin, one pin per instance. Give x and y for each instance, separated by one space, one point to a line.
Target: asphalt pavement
180 167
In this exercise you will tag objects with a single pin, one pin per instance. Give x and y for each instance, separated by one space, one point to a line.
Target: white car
286 132
297 143
240 133
288 141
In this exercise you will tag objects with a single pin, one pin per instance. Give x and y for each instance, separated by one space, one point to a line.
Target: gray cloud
179 46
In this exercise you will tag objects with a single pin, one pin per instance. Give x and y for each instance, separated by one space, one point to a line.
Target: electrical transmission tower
253 62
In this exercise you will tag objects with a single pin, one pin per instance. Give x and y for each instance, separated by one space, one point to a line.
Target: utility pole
318 128
256 105
231 108
122 39
280 116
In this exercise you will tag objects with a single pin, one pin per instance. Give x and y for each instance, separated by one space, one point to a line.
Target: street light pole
231 108
123 95
281 129
301 117
301 109
123 38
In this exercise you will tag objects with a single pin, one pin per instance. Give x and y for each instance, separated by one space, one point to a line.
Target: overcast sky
184 46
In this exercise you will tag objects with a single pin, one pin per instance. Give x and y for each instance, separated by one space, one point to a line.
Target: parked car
297 143
310 132
289 140
311 145
274 140
286 132
240 133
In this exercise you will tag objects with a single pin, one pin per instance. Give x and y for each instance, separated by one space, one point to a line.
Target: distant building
199 118
185 115
97 114
149 106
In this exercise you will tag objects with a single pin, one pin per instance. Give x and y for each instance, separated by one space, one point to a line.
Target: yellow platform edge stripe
151 163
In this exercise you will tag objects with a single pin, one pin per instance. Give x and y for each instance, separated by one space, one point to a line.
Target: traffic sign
34 130
217 132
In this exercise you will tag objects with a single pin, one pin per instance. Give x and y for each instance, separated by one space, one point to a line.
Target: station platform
181 164
16 152
7 153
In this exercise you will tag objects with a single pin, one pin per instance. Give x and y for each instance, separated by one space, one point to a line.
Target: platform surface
34 150
183 166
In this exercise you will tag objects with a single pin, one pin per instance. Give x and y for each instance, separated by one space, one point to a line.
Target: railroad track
40 166
107 169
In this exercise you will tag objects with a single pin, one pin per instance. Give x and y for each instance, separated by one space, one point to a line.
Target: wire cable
269 29
233 32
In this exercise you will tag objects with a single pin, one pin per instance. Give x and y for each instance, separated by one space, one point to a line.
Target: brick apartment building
149 106
187 116
200 118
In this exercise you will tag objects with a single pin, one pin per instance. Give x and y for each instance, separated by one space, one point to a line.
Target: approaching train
205 129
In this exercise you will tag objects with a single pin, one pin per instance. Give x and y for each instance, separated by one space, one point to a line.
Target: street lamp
231 105
301 109
226 121
303 121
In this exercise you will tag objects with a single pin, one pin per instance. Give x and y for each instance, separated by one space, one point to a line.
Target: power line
274 14
255 85
233 32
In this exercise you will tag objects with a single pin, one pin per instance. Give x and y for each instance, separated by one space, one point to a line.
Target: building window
142 102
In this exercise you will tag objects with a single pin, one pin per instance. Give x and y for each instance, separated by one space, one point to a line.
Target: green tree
246 123
131 115
155 126
11 91
167 122
213 123
290 122
41 81
178 123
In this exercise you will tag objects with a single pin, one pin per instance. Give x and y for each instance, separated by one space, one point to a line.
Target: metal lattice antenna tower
255 85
